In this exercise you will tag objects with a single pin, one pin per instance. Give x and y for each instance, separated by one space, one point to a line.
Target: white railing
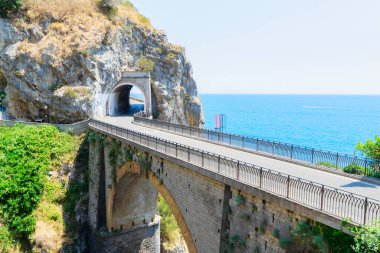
75 128
348 163
332 201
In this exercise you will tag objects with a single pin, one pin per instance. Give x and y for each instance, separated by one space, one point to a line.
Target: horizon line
301 94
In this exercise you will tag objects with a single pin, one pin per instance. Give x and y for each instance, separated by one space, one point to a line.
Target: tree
367 238
7 6
370 148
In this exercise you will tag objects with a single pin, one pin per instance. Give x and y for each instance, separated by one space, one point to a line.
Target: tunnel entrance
126 100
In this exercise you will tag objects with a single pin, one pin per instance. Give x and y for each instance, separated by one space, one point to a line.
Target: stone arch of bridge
130 176
119 100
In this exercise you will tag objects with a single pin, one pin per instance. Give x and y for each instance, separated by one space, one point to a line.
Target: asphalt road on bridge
329 179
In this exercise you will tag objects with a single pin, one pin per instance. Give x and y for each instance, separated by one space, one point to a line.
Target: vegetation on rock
170 232
100 40
145 64
77 27
322 238
33 188
8 6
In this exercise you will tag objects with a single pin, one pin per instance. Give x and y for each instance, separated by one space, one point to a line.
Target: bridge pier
122 205
144 238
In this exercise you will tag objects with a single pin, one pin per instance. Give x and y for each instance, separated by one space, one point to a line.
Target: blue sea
329 122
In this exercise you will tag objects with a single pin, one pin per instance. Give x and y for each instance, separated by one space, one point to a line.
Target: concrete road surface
344 183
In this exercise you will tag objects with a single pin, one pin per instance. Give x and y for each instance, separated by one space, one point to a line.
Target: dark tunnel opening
126 100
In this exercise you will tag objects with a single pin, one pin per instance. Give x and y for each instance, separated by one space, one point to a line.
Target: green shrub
276 233
145 163
128 154
108 8
27 153
375 174
367 239
8 6
54 192
6 240
320 237
145 64
354 169
74 189
284 242
240 199
370 148
95 137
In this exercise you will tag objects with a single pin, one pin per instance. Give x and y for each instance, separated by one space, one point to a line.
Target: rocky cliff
58 57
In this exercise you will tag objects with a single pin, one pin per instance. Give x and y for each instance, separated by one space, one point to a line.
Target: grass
7 241
327 164
78 25
170 232
128 10
31 208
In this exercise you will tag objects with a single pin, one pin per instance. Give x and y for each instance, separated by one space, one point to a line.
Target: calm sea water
328 122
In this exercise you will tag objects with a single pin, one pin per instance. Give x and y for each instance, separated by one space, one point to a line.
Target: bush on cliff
145 64
27 154
8 6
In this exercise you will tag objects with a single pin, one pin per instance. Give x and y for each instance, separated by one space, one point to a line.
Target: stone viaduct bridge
227 192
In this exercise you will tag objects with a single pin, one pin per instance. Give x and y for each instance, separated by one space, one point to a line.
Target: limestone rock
41 84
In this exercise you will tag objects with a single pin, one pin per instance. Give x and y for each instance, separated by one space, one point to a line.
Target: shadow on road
359 184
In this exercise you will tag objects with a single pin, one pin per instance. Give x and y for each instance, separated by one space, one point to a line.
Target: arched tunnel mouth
126 100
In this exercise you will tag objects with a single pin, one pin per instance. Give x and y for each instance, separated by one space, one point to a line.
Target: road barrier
341 204
348 163
75 128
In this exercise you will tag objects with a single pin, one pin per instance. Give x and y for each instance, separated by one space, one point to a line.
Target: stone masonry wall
208 209
258 225
142 239
94 171
199 199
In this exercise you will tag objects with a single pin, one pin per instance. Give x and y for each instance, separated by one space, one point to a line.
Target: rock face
41 82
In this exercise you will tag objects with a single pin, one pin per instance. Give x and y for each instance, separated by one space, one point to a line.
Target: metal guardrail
75 128
338 203
356 165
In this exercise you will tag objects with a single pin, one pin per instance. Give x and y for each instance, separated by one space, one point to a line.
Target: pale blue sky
275 46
